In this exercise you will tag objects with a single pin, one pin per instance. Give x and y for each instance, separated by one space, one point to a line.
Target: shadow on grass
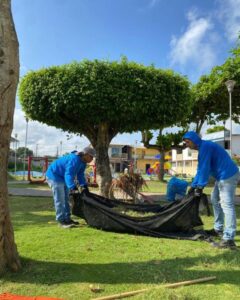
149 272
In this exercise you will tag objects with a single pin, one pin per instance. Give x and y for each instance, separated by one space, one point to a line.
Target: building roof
14 140
216 136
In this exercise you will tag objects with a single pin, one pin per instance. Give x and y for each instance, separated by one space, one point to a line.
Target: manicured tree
9 75
101 99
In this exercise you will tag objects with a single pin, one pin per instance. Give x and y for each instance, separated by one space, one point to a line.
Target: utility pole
60 151
230 85
25 149
15 154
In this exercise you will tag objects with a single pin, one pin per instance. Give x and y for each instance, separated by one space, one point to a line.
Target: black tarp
174 220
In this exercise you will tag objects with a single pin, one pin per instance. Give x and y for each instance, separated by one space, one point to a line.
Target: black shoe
214 232
71 222
65 224
225 244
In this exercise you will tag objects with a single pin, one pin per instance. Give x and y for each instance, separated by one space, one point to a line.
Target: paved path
29 192
155 197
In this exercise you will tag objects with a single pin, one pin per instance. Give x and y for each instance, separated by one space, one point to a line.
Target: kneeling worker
214 161
61 179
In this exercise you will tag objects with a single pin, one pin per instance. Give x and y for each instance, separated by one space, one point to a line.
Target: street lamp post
60 152
36 154
230 85
25 149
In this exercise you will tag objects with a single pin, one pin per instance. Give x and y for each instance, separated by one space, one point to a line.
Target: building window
226 144
188 163
115 152
174 164
189 152
179 151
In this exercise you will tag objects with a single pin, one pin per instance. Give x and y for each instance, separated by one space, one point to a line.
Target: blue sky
188 36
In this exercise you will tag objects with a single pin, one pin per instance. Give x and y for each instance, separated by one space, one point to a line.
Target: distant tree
101 99
215 129
9 75
204 103
210 95
21 152
165 142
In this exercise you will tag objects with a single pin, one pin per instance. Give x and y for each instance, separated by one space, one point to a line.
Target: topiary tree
101 99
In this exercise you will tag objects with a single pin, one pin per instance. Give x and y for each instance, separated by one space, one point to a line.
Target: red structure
43 162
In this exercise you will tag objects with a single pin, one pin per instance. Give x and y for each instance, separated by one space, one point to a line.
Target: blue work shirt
213 160
66 168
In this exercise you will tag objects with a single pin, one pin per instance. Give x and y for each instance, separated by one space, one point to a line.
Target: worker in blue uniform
214 161
63 175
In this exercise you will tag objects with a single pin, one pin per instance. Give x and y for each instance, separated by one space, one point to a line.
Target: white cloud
44 139
229 14
196 45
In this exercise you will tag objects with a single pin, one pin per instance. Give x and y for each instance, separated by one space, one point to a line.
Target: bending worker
214 161
61 176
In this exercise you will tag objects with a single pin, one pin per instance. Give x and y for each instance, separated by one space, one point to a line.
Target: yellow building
138 158
145 158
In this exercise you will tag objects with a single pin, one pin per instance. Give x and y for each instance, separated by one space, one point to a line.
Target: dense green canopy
128 96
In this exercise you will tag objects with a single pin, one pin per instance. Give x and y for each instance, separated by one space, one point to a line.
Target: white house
185 161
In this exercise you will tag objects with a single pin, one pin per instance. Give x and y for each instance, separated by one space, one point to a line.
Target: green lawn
65 262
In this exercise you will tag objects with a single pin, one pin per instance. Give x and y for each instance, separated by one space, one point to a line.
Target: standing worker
214 161
61 177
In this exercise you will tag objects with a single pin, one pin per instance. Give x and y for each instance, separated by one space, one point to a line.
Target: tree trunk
104 176
161 166
9 76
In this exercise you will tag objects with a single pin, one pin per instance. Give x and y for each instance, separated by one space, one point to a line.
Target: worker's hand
198 192
73 191
85 188
191 191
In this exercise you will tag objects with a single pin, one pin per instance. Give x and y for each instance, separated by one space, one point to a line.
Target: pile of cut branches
129 185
